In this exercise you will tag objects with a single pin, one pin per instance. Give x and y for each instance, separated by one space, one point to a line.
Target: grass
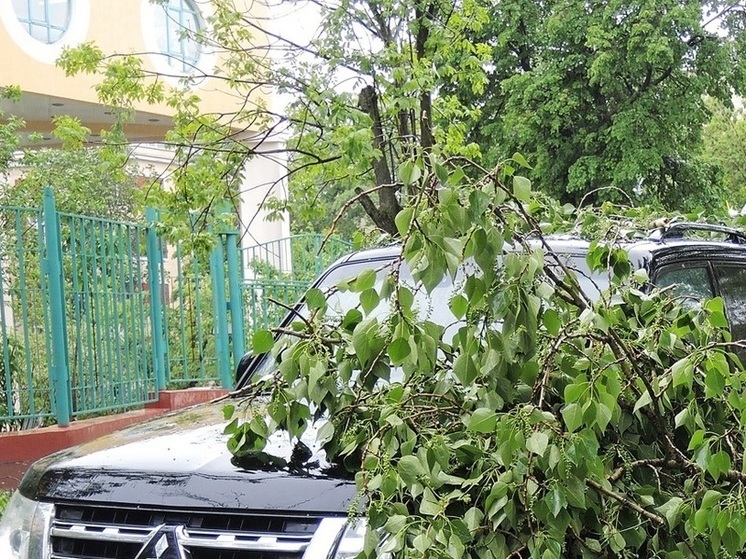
4 498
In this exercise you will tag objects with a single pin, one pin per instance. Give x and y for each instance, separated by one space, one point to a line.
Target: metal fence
278 272
98 316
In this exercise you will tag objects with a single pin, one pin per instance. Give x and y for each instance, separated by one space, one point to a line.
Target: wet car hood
180 460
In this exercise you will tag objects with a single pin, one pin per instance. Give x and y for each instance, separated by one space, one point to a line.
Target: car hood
180 460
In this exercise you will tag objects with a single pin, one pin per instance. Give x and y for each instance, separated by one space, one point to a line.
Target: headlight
23 529
352 541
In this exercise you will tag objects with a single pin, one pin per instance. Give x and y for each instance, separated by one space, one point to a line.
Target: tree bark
384 213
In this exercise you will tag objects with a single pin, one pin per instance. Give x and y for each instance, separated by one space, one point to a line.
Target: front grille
91 532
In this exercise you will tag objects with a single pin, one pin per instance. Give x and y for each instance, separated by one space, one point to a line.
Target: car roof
661 243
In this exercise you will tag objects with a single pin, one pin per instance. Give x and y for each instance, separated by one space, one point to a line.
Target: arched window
45 20
176 23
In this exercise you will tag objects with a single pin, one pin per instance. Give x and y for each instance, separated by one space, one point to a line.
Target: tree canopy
605 100
96 181
613 94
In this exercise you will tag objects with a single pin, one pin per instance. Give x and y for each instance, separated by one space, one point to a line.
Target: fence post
235 305
220 312
156 310
58 362
318 264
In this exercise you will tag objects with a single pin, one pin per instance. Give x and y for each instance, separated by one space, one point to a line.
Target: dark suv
169 489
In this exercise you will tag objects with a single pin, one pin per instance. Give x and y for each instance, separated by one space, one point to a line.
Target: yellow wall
117 27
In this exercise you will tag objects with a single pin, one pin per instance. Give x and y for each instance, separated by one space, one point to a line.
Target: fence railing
302 257
98 316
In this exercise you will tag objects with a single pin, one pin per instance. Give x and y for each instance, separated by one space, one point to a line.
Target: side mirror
243 367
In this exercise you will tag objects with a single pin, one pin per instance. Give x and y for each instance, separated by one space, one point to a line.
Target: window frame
176 54
30 23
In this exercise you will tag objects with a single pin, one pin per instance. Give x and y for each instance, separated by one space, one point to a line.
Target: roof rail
679 230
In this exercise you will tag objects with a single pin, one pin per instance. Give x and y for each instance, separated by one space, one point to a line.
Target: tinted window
732 282
689 282
431 306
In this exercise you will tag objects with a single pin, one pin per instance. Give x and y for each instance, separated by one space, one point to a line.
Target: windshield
431 306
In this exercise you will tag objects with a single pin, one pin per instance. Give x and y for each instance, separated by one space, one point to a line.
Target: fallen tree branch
627 503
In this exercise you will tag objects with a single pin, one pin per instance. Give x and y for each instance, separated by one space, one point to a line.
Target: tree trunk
384 213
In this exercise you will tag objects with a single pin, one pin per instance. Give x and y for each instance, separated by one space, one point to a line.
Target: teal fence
278 272
98 316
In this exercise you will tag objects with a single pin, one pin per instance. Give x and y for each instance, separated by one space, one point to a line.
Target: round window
45 20
177 22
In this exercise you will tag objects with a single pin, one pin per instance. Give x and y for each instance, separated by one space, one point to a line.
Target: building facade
33 34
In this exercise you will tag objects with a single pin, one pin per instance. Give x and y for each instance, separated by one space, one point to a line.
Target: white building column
265 177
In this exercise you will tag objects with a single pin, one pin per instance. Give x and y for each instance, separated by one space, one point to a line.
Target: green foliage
611 94
543 424
347 146
10 125
606 100
190 323
86 181
209 149
19 356
4 499
725 145
99 181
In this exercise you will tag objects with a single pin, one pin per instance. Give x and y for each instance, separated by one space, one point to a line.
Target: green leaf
483 420
315 298
644 400
262 341
716 309
228 411
403 220
556 501
682 418
409 172
537 443
573 416
430 505
325 433
603 415
399 349
714 382
573 392
459 306
440 171
718 464
522 189
696 440
518 158
711 498
552 321
365 280
671 509
682 372
369 300
410 468
422 542
473 518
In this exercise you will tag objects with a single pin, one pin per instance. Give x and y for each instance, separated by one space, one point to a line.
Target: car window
732 283
431 306
690 282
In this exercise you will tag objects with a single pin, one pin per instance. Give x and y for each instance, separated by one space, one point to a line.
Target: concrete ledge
18 449
177 399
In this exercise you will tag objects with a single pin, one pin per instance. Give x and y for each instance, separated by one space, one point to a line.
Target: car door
731 285
696 280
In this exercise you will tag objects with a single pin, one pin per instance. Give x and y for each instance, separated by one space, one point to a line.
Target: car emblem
164 542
